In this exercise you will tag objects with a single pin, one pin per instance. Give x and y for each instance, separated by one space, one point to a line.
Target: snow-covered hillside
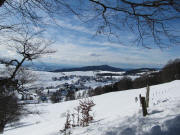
115 113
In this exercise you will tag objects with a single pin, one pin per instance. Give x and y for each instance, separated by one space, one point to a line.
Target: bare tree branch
154 17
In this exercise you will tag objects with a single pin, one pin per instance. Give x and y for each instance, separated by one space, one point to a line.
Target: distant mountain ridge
91 68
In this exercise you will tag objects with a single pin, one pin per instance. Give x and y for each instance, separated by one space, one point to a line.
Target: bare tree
17 14
28 48
24 78
150 21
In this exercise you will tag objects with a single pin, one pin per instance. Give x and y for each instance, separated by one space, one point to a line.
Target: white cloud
81 50
75 54
65 23
7 52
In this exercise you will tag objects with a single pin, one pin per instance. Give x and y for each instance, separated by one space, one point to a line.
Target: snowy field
44 78
115 113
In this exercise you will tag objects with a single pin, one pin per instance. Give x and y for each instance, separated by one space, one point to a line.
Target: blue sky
77 45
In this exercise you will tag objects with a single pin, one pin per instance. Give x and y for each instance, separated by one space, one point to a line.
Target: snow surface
115 113
44 79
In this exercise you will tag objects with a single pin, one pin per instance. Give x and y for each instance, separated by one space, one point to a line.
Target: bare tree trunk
17 67
2 125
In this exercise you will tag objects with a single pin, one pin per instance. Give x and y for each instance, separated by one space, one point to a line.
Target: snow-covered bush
86 107
81 117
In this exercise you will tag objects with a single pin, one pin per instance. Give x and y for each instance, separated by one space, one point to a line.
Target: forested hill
91 68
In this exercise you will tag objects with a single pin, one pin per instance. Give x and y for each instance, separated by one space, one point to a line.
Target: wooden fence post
144 108
147 95
140 99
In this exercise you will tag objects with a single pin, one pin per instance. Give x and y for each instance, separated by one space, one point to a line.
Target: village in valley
66 87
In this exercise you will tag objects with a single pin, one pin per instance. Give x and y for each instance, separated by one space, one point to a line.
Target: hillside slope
115 113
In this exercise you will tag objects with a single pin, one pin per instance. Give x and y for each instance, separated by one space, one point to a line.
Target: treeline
170 72
107 74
